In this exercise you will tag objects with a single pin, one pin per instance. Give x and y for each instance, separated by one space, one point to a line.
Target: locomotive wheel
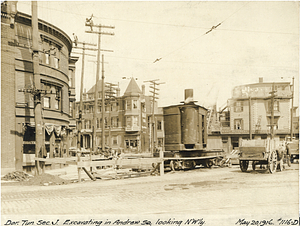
209 163
175 165
253 165
272 162
244 165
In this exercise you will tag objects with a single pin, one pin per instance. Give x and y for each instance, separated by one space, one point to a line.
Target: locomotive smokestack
188 96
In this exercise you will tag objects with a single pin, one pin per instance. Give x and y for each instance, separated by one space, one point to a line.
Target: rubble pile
16 176
46 180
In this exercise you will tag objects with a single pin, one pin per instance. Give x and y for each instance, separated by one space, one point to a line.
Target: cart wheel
253 165
244 165
280 165
272 162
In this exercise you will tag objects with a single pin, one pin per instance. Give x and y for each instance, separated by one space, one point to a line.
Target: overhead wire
207 32
175 25
164 24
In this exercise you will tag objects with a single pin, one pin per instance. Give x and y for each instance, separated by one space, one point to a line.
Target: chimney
188 96
261 79
143 89
118 92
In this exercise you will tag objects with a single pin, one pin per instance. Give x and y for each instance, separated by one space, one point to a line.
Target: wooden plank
120 162
88 173
53 160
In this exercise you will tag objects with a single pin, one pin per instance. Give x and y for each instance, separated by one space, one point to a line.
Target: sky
250 39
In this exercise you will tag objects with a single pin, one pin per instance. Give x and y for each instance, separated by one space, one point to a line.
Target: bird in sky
212 28
158 59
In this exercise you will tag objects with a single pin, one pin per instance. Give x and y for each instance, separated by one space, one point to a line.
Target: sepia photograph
156 113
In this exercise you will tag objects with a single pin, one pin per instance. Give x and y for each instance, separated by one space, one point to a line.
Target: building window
107 108
115 106
47 58
57 98
71 109
143 107
114 122
99 108
90 108
115 140
238 106
128 104
47 102
98 124
105 122
56 63
128 122
159 125
131 143
135 104
160 142
135 121
88 124
238 124
275 107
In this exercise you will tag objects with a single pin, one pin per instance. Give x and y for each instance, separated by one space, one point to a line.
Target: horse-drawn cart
270 152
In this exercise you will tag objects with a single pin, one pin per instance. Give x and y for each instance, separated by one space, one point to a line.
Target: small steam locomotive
185 128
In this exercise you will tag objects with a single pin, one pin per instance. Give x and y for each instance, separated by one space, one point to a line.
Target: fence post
161 169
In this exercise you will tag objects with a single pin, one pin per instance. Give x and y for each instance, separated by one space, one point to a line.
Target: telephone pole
90 24
79 144
272 110
292 108
154 91
39 144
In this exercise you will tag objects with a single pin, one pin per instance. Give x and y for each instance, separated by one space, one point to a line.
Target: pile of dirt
16 176
45 180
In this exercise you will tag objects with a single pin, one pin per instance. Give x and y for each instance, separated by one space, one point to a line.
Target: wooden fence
95 162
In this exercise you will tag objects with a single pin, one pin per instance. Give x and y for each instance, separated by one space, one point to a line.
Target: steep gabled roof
132 88
92 90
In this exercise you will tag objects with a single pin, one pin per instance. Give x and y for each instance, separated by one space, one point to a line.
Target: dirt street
223 192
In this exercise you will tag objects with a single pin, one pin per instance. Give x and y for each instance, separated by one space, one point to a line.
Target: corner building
57 76
249 110
126 120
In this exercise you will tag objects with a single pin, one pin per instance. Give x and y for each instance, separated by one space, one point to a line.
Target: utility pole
292 108
39 144
250 121
154 91
272 110
79 144
90 24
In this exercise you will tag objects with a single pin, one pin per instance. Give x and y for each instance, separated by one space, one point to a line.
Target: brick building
237 119
57 73
126 120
